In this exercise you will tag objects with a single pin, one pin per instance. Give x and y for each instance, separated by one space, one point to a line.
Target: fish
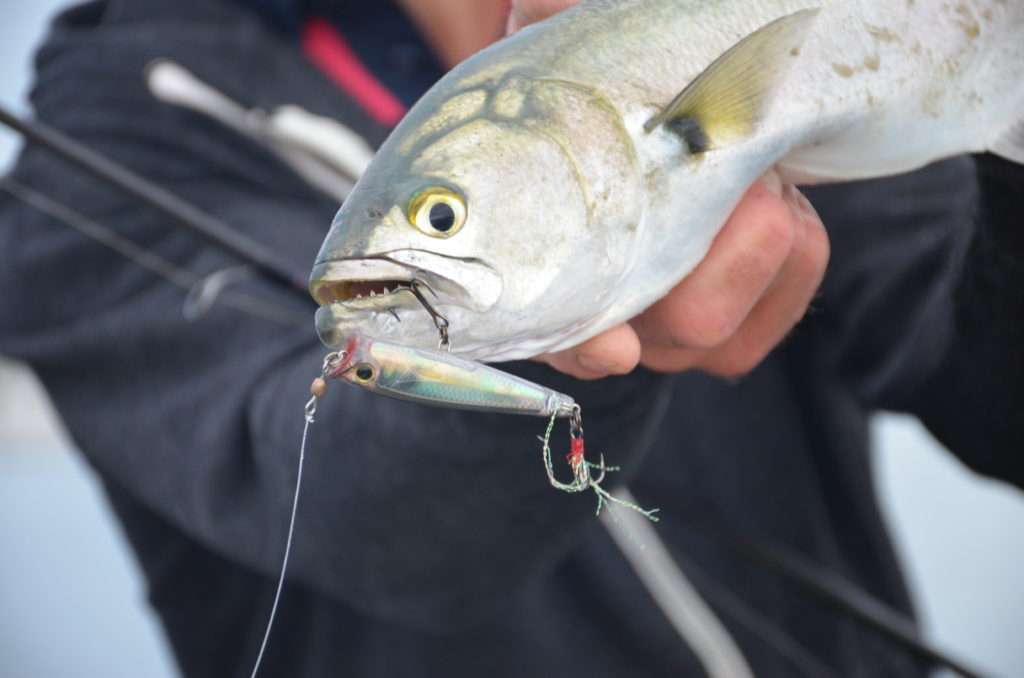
441 379
566 178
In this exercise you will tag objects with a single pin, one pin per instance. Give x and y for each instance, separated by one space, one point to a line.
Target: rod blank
205 225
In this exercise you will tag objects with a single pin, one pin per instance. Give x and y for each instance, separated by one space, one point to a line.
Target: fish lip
455 281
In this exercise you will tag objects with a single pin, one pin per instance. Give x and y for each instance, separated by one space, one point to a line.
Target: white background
72 601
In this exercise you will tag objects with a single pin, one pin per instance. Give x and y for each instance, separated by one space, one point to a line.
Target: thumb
525 12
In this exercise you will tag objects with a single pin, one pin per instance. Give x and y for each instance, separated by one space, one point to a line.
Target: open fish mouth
354 290
359 282
384 281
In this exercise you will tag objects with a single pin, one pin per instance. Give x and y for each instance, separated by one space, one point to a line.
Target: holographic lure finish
442 379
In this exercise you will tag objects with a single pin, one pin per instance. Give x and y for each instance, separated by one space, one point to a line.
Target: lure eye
364 373
439 212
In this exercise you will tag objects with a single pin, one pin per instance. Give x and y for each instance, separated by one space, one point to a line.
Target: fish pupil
364 373
442 217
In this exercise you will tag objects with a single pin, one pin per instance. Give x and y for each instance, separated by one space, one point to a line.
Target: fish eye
364 373
439 212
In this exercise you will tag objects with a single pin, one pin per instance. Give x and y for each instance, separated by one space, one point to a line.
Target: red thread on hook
575 456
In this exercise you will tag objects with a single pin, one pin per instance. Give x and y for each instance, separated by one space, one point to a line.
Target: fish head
476 197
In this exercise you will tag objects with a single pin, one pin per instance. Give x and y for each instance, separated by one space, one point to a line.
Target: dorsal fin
725 102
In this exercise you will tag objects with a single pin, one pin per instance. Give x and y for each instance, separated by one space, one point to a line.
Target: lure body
439 378
565 179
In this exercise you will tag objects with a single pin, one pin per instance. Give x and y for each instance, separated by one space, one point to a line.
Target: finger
785 302
526 12
670 360
779 310
614 351
708 306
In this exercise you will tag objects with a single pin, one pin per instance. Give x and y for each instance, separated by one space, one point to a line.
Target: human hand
525 12
752 287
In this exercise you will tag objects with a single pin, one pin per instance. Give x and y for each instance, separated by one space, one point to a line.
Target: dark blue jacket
429 542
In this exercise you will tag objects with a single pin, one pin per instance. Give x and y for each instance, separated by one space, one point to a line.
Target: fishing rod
182 213
201 292
827 587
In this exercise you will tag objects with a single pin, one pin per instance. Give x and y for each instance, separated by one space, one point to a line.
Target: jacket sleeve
974 399
428 517
921 309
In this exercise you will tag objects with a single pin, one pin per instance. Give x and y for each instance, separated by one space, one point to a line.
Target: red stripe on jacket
329 50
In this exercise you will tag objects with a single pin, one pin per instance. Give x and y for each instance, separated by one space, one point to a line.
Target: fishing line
288 541
199 293
317 390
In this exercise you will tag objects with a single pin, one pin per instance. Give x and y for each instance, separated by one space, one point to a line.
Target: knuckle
776 233
768 243
816 246
705 326
811 253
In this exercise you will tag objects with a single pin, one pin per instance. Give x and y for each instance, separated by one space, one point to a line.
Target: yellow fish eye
439 212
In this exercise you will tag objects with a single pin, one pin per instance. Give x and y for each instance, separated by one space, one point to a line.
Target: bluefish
566 178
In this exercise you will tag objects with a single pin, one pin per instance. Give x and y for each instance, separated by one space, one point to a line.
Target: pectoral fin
725 102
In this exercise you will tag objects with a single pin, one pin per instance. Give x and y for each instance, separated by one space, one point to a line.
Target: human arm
974 399
921 310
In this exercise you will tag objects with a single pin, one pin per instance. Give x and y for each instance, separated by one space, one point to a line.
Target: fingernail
806 206
514 21
773 183
800 201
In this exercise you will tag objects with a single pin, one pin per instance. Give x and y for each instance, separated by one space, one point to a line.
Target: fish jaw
372 295
486 326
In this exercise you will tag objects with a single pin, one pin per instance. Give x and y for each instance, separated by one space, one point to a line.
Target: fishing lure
440 378
443 379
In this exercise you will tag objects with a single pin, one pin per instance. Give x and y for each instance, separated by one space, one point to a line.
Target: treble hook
440 322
